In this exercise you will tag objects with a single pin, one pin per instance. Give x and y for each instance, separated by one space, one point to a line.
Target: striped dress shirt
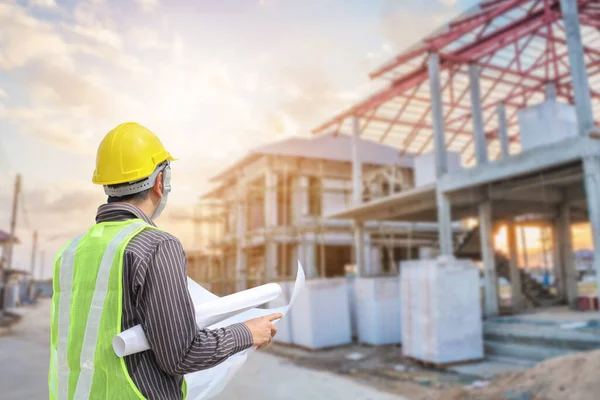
155 295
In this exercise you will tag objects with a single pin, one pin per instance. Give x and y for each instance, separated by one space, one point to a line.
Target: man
125 271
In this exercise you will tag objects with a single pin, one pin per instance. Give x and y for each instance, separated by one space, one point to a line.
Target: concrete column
392 180
477 113
293 261
441 162
585 122
301 198
367 256
270 198
359 248
515 274
524 247
241 260
558 264
357 179
591 168
357 189
311 259
550 91
270 222
579 76
503 130
568 262
376 266
437 115
489 261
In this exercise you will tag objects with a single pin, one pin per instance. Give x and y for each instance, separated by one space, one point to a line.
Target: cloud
3 94
43 3
71 92
146 38
405 22
61 130
59 211
25 39
147 5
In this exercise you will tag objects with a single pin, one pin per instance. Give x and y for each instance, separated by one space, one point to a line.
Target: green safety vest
86 315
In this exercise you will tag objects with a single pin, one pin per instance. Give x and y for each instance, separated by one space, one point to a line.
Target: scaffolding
279 215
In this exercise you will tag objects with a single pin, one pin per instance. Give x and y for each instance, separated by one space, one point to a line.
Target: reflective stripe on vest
92 328
91 333
67 263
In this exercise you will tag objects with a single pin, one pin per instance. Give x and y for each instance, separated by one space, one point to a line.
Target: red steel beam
413 134
462 27
497 81
420 74
398 114
441 40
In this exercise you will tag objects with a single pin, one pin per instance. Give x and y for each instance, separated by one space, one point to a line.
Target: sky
212 79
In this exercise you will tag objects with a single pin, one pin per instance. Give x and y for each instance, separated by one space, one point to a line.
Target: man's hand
263 329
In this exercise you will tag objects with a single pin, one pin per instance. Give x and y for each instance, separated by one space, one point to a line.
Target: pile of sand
573 377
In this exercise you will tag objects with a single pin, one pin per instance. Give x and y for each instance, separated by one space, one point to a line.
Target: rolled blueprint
209 311
208 383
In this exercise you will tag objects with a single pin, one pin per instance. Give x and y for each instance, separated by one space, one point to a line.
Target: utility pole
32 272
42 269
13 221
33 254
11 240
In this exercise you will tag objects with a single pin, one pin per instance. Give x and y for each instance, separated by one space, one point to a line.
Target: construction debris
573 377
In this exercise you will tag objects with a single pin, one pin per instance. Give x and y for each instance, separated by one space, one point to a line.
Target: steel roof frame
520 46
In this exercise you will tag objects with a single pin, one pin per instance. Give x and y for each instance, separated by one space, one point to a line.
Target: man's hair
134 198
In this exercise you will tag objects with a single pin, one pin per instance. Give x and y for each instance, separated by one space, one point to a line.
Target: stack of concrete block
284 327
377 302
546 123
321 314
441 310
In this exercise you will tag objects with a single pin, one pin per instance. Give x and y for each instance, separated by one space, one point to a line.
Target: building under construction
512 89
269 209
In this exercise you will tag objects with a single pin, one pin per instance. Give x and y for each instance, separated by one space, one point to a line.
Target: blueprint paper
210 382
210 309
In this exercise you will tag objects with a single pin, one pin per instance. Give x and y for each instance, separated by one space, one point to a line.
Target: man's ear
158 188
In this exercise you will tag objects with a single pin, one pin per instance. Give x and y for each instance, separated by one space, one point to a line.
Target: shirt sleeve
167 316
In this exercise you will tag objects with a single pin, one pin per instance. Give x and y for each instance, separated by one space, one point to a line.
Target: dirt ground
381 367
573 377
350 372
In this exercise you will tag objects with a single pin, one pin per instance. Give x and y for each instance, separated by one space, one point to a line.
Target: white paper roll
214 312
130 341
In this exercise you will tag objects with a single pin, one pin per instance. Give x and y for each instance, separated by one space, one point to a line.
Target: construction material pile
440 310
573 377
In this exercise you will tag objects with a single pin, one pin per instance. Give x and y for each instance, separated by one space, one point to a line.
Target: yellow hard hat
128 153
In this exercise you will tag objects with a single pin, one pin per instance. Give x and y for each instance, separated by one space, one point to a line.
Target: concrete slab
527 162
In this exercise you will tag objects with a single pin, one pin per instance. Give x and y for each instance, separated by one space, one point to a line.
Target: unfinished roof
520 46
326 147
